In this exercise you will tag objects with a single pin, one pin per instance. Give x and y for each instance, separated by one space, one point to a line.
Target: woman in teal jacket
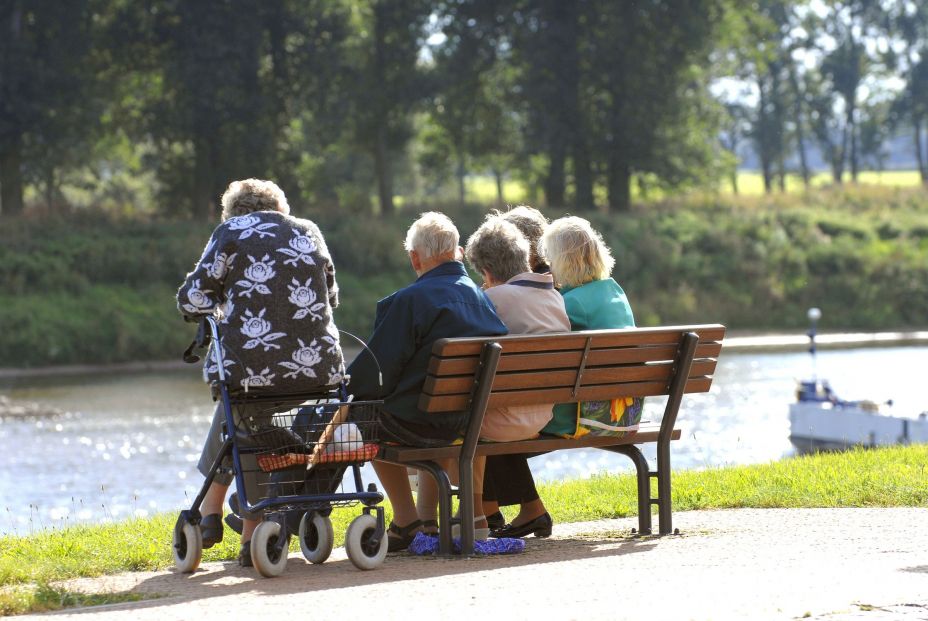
581 264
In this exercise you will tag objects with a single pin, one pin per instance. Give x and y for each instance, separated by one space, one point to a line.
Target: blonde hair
244 197
431 235
576 252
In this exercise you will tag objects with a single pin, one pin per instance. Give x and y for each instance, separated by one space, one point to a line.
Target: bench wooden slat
528 380
439 366
458 403
577 340
405 454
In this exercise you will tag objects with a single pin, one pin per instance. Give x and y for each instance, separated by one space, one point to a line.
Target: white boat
820 421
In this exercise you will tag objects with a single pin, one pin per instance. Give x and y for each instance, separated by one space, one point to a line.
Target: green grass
44 598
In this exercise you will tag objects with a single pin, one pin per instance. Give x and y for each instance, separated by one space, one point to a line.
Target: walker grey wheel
267 560
358 545
188 548
316 537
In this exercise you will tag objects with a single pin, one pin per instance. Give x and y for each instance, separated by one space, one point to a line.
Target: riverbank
735 341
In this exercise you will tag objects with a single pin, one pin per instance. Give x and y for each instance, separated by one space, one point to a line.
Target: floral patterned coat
270 280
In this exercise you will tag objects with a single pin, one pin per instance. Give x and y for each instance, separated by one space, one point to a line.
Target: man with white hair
443 303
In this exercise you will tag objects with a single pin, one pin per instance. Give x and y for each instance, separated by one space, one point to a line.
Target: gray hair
432 235
576 252
532 223
499 248
249 195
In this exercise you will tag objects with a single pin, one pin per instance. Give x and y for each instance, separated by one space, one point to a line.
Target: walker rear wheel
316 537
361 550
188 548
264 554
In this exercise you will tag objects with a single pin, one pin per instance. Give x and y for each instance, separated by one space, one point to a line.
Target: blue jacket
442 303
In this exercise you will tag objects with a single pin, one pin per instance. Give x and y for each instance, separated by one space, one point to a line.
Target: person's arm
393 344
203 289
328 264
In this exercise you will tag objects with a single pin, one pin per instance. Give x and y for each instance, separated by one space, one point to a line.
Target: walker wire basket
304 449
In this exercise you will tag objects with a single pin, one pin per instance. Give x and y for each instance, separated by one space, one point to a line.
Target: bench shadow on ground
227 578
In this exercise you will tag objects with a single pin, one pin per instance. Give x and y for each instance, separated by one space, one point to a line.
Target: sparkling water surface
128 443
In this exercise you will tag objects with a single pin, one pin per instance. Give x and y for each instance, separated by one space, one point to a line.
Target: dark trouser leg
508 479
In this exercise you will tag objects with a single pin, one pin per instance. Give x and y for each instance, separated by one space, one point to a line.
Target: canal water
127 444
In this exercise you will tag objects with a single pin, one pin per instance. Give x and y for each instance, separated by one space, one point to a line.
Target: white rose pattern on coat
220 265
250 225
258 330
304 298
256 274
301 249
212 367
258 380
335 376
304 359
197 298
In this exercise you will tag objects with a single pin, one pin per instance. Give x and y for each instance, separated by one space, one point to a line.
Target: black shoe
496 521
540 527
211 528
234 522
244 555
400 538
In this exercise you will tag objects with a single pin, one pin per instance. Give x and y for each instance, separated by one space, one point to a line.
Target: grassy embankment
30 566
94 289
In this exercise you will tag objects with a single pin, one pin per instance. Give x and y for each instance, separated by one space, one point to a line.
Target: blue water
129 443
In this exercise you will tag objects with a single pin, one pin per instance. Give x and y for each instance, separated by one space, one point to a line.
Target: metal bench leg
445 494
664 513
642 470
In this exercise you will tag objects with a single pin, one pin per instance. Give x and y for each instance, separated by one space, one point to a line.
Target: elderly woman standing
528 304
269 279
581 264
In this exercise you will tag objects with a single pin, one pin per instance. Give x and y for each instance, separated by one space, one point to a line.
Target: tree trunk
734 181
498 175
384 173
619 185
11 179
800 129
554 182
460 174
919 153
854 163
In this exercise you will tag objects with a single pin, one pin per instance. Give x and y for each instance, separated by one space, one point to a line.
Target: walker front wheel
268 561
316 537
187 546
361 550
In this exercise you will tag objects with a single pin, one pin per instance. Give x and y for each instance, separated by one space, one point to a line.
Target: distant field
752 183
482 188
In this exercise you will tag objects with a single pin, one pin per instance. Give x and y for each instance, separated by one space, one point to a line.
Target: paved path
827 564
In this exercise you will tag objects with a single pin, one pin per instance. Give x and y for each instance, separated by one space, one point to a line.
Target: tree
389 83
650 105
909 22
46 101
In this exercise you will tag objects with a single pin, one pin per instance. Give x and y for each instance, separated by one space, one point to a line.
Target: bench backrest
570 366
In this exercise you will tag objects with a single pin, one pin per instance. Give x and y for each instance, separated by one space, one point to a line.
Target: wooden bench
473 374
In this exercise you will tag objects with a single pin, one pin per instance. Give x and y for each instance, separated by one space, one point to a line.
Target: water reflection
128 444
